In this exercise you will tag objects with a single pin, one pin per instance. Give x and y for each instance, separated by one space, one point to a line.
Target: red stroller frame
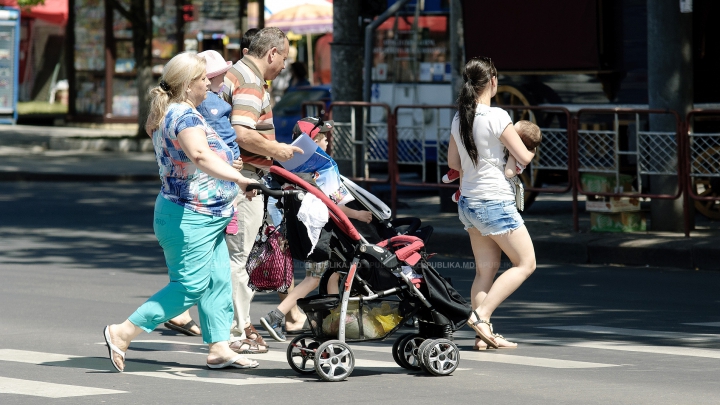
331 357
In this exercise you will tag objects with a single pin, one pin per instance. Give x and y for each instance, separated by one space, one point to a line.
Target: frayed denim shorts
490 217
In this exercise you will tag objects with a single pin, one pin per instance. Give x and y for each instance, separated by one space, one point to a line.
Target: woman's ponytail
477 74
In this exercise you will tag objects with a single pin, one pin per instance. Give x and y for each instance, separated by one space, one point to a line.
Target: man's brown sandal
248 346
252 334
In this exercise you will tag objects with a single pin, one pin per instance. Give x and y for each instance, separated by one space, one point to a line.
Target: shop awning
53 11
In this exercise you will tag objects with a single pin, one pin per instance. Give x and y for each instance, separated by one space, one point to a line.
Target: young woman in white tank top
487 205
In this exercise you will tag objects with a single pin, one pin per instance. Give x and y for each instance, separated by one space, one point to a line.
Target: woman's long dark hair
477 74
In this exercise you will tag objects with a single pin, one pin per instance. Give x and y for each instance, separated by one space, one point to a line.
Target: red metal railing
626 111
365 122
689 168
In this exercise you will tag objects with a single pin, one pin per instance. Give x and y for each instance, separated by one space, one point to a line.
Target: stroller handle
276 193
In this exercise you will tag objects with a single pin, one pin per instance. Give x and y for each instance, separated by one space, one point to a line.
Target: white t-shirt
484 181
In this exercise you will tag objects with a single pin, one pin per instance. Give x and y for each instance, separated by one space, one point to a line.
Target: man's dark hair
246 39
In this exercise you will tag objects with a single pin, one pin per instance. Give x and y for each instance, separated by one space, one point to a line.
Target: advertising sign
9 61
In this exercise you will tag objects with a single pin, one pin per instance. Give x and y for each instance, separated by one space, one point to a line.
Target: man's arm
251 140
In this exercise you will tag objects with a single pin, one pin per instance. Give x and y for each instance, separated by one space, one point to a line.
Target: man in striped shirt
252 120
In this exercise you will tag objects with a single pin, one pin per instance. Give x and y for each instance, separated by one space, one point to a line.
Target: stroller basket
365 320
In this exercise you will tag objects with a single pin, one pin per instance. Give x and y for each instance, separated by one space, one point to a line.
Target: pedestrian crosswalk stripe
627 347
494 357
276 355
184 373
690 337
713 324
49 390
212 376
280 356
24 356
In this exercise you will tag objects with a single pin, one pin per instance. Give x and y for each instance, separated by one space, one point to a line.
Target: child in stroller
375 293
369 273
317 130
368 214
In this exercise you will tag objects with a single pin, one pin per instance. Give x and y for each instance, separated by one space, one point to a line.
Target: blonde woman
479 134
193 208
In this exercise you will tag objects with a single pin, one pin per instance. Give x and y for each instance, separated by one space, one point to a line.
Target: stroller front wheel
301 354
405 351
334 361
440 357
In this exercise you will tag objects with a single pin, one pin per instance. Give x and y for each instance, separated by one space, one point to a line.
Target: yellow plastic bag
387 316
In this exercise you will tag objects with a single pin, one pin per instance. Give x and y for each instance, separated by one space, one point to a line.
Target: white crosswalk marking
713 324
690 337
49 390
210 376
530 361
24 356
494 357
184 373
630 347
277 355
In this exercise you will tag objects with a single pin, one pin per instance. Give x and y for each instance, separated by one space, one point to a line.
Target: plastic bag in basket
386 316
371 328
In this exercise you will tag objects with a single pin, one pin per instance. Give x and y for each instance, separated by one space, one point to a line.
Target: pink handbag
270 264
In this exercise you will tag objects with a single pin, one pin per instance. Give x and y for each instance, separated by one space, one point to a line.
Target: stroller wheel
301 354
441 357
420 352
334 361
405 351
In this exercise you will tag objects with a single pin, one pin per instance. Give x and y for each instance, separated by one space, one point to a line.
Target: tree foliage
23 3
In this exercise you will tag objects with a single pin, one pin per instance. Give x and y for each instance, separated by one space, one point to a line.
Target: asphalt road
77 256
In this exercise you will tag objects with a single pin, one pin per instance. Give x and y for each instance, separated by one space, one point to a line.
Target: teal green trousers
199 268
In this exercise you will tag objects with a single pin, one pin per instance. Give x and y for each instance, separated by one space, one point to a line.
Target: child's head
315 128
529 133
216 67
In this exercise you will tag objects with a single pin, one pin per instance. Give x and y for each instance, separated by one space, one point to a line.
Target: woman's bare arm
194 143
510 167
515 145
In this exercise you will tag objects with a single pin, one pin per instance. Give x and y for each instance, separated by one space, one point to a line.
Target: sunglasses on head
319 122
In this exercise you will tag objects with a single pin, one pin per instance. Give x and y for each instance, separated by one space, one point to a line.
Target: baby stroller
381 285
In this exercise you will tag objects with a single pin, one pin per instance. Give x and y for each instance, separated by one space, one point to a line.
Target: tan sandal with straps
513 345
489 340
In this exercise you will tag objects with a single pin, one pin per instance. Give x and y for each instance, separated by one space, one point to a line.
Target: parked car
288 110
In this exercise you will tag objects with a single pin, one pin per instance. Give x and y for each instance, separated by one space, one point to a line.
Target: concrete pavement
30 153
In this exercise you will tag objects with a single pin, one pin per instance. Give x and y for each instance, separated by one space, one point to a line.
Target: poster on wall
408 51
9 42
89 56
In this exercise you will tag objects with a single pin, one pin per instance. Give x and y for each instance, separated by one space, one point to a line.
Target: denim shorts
490 217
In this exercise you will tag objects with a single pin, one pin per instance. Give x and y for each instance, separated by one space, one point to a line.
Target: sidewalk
78 154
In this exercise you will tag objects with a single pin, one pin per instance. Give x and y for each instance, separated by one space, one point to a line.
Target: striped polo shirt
251 106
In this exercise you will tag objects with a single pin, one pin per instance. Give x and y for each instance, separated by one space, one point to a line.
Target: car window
291 102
